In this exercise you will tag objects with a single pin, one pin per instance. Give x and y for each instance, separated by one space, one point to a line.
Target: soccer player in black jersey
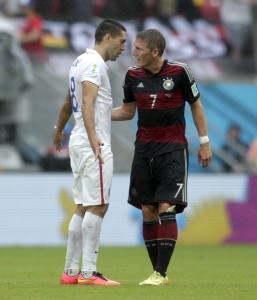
159 89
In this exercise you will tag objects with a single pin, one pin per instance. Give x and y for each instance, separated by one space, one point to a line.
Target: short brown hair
108 26
153 38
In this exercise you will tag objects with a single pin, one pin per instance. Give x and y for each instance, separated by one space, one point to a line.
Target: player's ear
155 52
107 37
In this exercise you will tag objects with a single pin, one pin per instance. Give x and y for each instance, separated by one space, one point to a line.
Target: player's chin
115 57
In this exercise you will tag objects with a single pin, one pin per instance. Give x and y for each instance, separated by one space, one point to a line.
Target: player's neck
155 66
101 51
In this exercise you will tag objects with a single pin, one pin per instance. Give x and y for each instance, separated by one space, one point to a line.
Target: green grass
196 272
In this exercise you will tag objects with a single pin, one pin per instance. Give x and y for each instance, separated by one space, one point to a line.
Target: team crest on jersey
168 84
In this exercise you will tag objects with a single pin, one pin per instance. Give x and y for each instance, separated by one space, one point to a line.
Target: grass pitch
196 272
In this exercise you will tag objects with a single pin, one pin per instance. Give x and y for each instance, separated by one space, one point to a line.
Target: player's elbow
129 112
130 116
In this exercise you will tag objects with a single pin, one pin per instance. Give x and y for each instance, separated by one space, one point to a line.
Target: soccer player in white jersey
89 99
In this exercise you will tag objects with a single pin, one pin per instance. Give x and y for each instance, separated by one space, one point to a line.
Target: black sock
150 234
167 237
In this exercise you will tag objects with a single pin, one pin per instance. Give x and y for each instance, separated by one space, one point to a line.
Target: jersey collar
88 50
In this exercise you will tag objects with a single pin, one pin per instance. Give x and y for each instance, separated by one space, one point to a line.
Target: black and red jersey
160 99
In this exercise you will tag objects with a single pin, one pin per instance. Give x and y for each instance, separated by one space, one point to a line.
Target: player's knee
80 210
149 212
99 210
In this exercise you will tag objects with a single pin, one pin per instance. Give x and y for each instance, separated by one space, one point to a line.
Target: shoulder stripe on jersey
185 67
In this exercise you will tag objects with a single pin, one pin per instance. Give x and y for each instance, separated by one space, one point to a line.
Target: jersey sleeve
127 89
91 72
189 86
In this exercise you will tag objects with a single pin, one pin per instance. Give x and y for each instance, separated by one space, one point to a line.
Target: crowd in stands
232 17
16 77
81 10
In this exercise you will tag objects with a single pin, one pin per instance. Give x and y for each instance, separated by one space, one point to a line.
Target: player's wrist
204 139
56 128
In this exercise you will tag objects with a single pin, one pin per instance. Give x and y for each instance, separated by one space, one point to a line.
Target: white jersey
90 66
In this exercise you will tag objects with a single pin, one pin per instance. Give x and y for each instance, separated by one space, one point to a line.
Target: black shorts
160 179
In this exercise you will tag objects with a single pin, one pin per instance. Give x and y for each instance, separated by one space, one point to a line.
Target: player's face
143 55
117 46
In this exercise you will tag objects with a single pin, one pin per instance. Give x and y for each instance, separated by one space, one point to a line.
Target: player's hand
58 135
204 155
96 145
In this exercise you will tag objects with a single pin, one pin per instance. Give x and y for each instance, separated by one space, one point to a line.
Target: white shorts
92 180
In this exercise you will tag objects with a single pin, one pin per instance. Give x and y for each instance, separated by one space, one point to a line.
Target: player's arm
124 112
204 152
63 118
30 37
89 94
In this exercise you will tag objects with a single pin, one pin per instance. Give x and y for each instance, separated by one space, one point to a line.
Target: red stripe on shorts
101 182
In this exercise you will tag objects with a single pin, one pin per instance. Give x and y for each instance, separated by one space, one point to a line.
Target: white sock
74 246
91 229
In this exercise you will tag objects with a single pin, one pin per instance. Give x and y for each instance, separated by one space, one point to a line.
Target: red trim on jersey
162 134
